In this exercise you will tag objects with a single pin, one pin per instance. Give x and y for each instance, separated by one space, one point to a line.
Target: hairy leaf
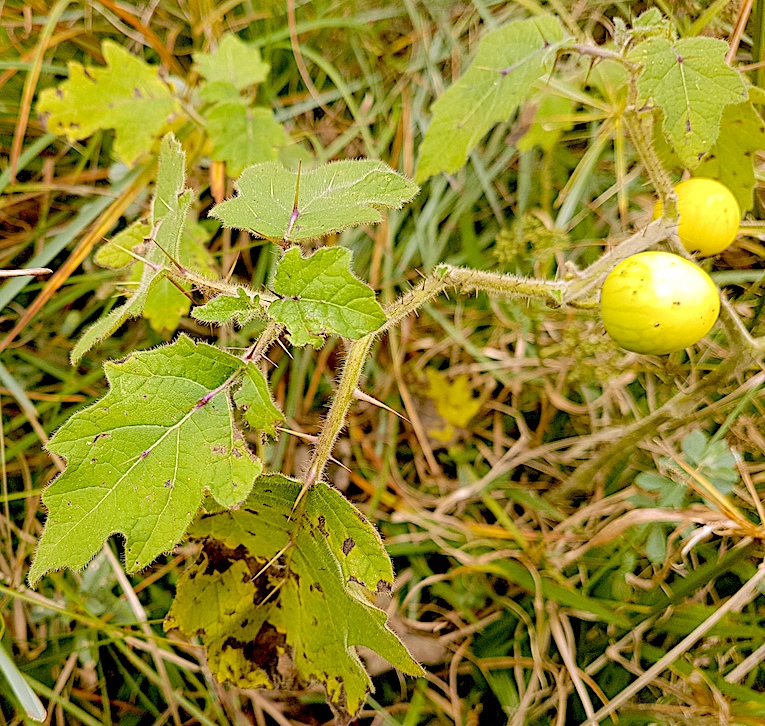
115 253
140 459
243 135
509 62
234 62
223 309
313 598
166 304
170 208
692 84
330 198
321 296
127 95
254 398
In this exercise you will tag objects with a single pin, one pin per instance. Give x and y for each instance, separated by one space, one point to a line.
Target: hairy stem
271 332
640 128
349 381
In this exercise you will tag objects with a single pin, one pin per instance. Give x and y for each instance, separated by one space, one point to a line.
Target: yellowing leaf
127 95
454 401
311 603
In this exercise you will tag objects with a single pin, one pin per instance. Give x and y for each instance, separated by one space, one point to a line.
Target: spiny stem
344 396
271 332
640 129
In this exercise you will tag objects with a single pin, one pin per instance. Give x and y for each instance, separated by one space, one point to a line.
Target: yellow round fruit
709 215
657 302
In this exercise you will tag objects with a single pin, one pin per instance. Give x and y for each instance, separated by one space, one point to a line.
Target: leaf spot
348 545
322 525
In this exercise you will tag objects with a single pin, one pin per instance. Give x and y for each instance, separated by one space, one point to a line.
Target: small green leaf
312 602
509 62
115 253
127 96
321 297
234 61
140 459
649 24
731 159
243 135
656 544
254 398
330 198
170 207
166 304
223 309
692 84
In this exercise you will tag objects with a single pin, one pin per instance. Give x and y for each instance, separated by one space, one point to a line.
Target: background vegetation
548 499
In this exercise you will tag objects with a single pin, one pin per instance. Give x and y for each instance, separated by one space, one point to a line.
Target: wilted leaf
127 95
140 459
320 296
330 560
509 62
331 197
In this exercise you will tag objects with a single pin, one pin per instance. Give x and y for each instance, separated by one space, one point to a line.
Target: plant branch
344 396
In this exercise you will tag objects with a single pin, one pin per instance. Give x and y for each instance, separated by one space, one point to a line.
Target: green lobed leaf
510 60
313 600
243 135
115 253
331 197
254 398
234 62
126 95
170 208
731 159
140 459
321 297
223 309
692 84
